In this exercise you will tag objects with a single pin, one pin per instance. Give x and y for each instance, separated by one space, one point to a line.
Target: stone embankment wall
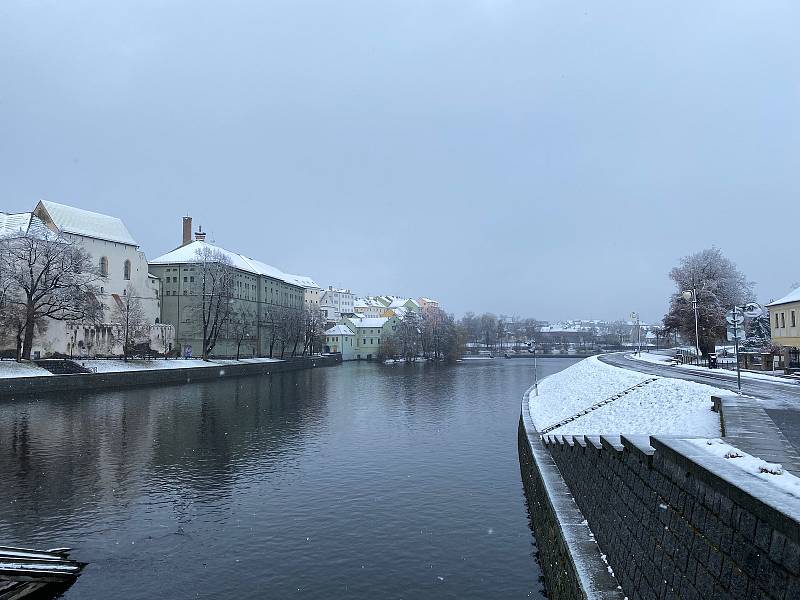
99 381
571 562
676 522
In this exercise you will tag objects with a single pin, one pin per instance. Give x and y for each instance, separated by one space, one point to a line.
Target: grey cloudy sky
547 159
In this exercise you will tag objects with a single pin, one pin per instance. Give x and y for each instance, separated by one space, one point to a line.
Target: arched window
104 266
127 273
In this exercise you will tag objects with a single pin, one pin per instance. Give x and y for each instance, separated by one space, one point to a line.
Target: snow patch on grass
665 406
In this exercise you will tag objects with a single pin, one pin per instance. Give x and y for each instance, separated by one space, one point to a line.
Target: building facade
784 320
262 295
122 269
336 302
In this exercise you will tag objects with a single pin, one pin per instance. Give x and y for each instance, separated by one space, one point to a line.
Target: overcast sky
544 159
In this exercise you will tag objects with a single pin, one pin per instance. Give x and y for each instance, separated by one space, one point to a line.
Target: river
355 481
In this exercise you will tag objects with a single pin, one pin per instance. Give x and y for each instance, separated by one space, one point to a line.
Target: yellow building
784 319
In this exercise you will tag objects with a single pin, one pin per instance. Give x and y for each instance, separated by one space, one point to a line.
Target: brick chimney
200 235
187 231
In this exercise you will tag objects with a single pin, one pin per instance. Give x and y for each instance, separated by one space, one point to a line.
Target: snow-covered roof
13 223
188 254
304 281
376 322
69 219
793 296
367 302
339 330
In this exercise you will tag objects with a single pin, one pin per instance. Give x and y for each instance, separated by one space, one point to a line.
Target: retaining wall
676 522
572 566
96 381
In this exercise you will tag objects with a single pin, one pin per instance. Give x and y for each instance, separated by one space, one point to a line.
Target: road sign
753 310
735 335
734 317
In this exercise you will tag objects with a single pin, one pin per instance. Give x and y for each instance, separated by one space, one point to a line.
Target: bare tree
719 285
127 315
47 276
408 336
216 293
314 329
242 322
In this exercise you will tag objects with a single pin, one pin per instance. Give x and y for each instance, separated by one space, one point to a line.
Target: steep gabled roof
77 221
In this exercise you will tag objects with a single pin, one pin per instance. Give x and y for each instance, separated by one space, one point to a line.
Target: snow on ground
665 406
11 368
769 472
116 365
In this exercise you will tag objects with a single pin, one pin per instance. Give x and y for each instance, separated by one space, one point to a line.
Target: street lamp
691 295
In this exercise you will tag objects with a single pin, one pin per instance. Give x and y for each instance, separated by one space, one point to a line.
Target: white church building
122 267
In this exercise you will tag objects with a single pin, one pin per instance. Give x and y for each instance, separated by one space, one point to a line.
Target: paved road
781 399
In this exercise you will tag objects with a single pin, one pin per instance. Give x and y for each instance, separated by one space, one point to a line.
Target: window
104 266
185 279
792 319
184 292
776 320
127 270
783 320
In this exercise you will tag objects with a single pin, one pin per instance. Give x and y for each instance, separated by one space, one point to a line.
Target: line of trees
292 331
432 334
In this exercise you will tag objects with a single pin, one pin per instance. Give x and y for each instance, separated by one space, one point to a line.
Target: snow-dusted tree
758 333
128 318
287 328
314 329
45 275
216 294
242 326
408 335
719 286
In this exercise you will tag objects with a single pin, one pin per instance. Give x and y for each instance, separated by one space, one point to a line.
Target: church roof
77 221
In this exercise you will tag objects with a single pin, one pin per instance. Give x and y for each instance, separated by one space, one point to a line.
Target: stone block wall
675 522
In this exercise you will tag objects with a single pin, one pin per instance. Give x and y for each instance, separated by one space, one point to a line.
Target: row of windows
126 268
782 315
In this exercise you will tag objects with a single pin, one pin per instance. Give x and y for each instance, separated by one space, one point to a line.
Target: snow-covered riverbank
13 369
663 406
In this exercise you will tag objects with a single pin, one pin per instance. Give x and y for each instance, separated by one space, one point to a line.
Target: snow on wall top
793 296
77 221
188 254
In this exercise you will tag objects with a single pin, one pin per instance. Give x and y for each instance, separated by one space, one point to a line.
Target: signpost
736 330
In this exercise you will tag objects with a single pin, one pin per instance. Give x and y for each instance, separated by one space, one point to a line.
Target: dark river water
356 481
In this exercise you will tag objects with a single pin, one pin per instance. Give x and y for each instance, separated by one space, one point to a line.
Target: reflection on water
360 480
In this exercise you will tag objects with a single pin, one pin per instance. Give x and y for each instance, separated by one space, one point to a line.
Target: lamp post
691 295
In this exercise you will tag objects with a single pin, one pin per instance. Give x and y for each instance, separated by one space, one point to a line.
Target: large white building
337 302
122 268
